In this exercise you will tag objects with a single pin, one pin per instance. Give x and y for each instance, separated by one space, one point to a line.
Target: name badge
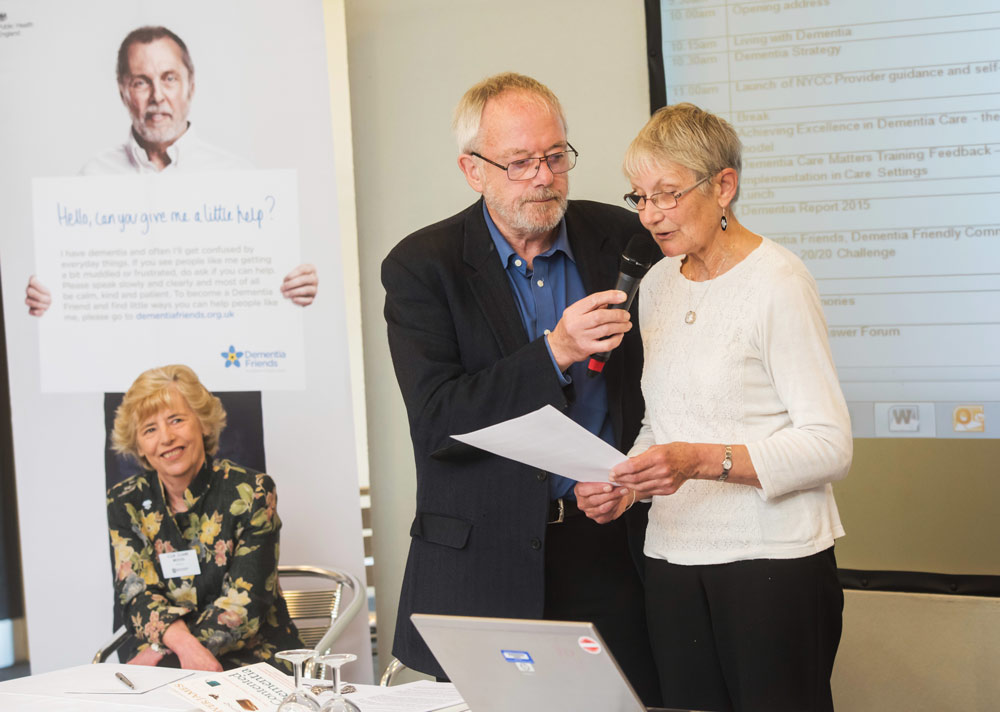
179 563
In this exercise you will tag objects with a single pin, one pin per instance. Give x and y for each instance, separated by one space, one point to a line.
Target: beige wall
904 652
409 64
922 505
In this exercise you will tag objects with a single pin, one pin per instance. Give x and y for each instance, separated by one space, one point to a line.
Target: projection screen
871 132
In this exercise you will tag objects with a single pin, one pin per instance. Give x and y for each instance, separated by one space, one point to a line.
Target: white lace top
753 369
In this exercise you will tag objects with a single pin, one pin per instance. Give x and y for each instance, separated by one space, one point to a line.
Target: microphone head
639 255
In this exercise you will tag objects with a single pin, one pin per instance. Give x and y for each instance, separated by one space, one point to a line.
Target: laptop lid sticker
521 658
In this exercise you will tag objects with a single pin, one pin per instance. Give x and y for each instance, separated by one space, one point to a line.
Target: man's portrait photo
156 83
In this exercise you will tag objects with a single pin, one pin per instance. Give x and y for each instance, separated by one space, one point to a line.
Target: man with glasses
492 313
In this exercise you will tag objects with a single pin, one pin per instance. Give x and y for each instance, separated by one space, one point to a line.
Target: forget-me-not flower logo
232 357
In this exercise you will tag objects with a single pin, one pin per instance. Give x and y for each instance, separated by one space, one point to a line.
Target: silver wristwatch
159 648
727 463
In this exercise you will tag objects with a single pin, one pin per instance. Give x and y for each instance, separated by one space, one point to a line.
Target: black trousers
748 635
590 576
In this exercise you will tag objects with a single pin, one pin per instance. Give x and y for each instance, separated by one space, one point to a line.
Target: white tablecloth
77 689
74 690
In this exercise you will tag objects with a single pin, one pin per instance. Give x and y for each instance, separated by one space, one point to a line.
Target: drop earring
724 222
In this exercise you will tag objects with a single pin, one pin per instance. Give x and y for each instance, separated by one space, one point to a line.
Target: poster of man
156 83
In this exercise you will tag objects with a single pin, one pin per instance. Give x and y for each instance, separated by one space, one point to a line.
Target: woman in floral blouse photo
195 541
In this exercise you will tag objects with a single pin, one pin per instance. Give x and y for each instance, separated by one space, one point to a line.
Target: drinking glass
299 699
337 703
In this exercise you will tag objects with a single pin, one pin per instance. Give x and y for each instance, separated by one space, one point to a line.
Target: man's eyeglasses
664 201
527 168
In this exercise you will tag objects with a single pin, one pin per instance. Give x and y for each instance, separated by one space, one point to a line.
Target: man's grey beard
163 135
527 217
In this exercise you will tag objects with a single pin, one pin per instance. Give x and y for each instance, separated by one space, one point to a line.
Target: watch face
727 465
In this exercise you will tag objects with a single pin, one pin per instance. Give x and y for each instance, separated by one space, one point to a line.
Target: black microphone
639 255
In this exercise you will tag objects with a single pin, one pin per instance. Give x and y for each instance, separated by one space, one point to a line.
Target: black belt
562 509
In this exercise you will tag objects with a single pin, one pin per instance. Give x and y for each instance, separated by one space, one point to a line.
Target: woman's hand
603 502
662 469
147 656
192 654
198 657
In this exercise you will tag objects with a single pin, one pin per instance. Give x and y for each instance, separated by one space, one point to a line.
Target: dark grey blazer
463 361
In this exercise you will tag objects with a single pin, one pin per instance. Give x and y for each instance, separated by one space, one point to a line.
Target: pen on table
125 680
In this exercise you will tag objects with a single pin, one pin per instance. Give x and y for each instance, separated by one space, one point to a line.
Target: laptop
504 664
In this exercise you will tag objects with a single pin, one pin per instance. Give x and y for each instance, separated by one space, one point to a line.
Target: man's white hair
469 112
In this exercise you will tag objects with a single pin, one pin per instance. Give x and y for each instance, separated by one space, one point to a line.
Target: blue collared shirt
541 295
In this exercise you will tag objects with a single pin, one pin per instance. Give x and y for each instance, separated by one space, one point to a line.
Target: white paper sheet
95 679
144 678
547 439
421 696
94 687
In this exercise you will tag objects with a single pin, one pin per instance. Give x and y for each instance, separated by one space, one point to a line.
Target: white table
74 690
61 690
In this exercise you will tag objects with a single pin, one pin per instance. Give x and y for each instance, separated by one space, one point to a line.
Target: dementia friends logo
255 360
232 357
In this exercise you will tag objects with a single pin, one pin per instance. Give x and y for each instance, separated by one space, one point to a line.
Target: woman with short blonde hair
195 541
150 392
745 430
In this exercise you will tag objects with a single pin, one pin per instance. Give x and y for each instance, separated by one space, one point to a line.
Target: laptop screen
502 664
